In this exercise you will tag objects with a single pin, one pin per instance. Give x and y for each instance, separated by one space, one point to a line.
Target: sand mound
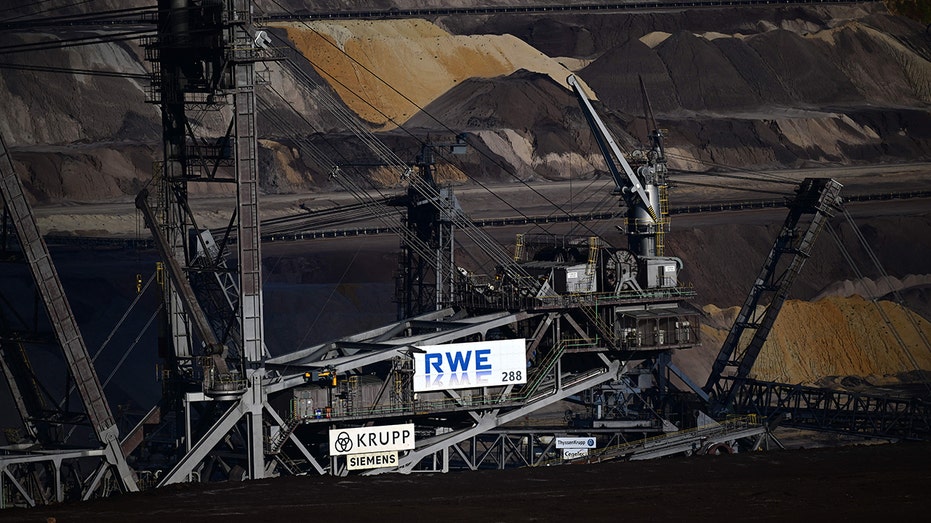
829 337
795 63
870 288
654 39
414 56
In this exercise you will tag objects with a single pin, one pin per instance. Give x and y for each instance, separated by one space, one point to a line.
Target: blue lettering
482 377
434 360
458 361
481 359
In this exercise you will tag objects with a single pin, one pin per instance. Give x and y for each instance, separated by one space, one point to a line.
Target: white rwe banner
470 365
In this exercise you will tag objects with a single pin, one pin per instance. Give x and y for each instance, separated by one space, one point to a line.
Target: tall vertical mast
204 65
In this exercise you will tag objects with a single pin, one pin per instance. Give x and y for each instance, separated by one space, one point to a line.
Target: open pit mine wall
855 91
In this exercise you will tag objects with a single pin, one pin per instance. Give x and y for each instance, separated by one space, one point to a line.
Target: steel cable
875 299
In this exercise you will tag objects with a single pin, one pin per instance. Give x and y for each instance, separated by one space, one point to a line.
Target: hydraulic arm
629 183
641 183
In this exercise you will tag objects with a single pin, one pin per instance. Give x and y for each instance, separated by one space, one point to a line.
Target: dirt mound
885 68
622 92
399 66
723 260
756 108
855 90
520 143
87 174
781 95
830 337
43 108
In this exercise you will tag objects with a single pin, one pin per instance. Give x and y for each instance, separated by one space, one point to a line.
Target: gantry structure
599 323
204 63
595 326
104 464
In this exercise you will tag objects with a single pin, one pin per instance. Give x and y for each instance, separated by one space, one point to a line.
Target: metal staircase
278 441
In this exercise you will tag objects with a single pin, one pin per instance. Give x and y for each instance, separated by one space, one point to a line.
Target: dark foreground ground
855 483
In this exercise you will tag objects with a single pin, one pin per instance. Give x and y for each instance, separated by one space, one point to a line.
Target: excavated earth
857 483
818 90
854 92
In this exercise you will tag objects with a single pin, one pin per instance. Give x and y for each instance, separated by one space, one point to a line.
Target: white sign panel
470 365
371 461
364 440
575 443
574 453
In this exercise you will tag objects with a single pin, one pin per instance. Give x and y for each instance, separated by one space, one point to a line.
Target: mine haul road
535 198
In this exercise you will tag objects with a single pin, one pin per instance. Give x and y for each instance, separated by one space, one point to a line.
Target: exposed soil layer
857 90
863 483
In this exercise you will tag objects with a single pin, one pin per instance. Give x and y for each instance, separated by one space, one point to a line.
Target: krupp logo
343 442
591 442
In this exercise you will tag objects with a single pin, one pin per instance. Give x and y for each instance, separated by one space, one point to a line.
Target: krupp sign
371 439
470 365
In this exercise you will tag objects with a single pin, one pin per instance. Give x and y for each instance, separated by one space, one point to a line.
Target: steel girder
833 411
28 479
818 197
57 307
353 353
494 419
